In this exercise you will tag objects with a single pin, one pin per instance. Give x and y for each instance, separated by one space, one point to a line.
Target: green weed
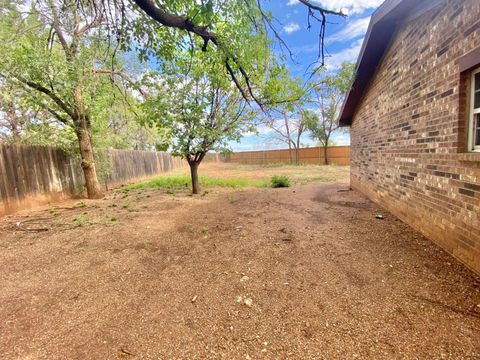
183 182
280 181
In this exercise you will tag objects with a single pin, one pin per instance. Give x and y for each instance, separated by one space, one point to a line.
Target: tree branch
321 9
175 21
49 93
56 27
184 23
56 115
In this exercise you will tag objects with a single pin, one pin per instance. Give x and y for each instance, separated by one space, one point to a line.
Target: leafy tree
13 117
116 125
328 94
201 109
226 30
58 55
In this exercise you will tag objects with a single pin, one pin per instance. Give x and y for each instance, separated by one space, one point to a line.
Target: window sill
470 156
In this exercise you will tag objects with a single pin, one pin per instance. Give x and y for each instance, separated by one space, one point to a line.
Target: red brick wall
408 133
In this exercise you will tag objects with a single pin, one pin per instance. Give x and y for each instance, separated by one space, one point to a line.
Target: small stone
244 278
239 299
194 298
248 302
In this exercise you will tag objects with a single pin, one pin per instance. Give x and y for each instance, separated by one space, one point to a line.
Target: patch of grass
183 182
110 219
80 204
280 181
80 221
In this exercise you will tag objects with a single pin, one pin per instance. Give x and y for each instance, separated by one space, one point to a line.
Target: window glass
476 103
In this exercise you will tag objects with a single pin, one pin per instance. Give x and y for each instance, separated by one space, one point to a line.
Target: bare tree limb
321 9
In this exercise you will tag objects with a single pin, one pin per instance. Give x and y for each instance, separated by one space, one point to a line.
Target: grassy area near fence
235 176
183 182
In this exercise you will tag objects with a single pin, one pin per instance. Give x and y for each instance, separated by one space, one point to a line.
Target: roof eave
380 31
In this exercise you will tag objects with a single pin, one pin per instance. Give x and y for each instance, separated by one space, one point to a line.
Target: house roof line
379 33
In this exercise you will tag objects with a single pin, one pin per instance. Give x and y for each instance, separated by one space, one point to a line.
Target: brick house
414 114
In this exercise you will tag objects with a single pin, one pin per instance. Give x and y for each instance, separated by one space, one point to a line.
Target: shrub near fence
339 155
33 175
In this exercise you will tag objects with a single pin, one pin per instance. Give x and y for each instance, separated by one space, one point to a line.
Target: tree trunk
88 162
295 147
325 154
289 139
290 152
299 136
194 175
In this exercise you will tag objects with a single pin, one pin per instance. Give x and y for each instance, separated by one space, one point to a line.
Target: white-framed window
474 126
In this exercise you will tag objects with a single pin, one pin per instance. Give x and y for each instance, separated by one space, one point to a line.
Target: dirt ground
299 273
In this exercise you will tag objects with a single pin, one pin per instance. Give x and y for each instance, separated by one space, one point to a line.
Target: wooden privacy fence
33 175
339 155
128 165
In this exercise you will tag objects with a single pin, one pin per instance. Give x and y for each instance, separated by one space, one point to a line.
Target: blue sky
343 41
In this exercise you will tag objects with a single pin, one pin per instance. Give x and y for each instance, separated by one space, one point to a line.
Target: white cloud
348 54
350 6
291 27
260 145
352 30
341 139
292 2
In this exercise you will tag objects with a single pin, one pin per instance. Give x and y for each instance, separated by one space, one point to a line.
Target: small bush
280 181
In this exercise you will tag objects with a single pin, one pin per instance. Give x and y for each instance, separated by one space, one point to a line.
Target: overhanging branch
184 23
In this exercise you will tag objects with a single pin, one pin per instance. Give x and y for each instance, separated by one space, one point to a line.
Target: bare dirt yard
305 272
